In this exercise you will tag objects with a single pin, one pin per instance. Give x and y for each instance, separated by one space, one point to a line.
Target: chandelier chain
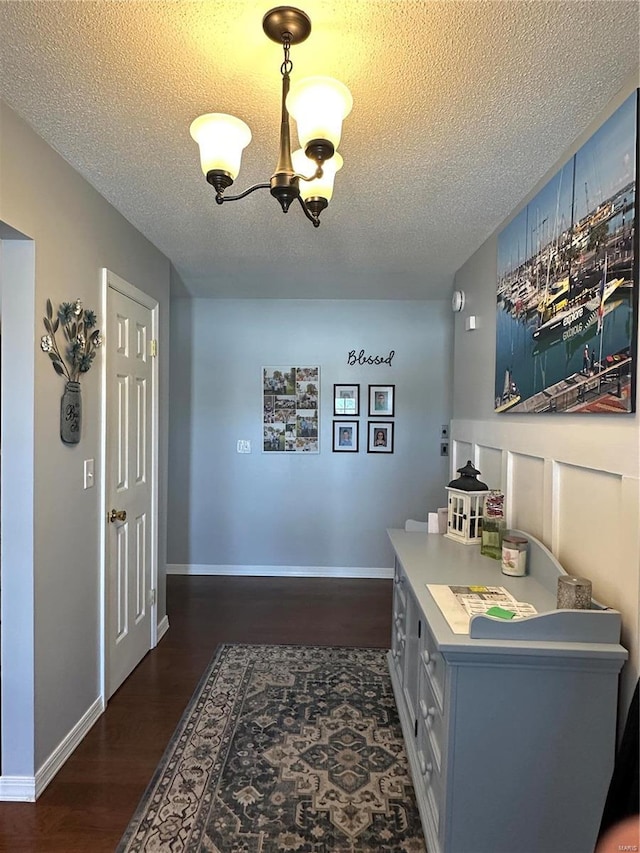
287 66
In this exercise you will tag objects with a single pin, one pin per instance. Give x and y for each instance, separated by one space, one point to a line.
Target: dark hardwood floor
86 808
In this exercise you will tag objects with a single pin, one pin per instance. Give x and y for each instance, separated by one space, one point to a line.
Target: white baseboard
26 789
17 789
280 571
64 749
163 627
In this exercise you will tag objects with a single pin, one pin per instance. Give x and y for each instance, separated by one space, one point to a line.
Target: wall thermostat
457 300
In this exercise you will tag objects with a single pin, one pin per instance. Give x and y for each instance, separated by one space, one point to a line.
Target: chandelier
318 105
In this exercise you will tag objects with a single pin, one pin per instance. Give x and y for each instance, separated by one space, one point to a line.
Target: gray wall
325 510
75 232
571 480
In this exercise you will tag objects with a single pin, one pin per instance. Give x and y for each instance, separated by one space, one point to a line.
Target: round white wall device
457 300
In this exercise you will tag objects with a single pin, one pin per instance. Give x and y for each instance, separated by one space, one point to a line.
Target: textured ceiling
459 109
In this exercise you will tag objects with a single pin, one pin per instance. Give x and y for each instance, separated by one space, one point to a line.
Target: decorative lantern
465 505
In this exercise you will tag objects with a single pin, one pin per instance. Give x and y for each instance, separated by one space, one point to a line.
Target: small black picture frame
346 400
382 401
380 437
346 436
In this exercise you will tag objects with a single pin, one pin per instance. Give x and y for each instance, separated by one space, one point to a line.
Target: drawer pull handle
426 767
427 711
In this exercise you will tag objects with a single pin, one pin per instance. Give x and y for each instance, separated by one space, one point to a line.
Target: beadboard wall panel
589 506
489 463
585 514
526 484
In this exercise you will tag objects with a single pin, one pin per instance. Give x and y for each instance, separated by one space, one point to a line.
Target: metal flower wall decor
81 339
81 342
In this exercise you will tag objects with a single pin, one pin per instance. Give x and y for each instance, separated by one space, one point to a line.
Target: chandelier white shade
319 105
222 139
317 187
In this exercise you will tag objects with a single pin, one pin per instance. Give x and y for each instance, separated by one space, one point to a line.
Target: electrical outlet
444 431
444 448
244 446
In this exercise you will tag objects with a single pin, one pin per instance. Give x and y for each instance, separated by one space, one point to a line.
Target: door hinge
152 597
153 348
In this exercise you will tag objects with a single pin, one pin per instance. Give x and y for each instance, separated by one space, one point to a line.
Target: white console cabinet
510 729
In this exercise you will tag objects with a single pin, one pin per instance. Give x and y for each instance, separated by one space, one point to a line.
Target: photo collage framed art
290 409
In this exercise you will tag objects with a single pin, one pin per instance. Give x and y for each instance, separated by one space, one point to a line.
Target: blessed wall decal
363 358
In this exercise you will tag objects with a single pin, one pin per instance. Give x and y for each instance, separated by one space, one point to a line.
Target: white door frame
113 281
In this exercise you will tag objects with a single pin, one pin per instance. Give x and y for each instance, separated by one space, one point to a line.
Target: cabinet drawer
432 719
430 777
433 667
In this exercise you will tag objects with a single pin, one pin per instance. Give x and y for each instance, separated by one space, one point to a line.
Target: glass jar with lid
493 525
514 555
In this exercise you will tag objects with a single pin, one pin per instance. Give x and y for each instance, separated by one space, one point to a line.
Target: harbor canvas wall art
567 290
290 409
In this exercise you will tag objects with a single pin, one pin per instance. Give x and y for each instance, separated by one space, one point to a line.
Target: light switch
88 473
244 446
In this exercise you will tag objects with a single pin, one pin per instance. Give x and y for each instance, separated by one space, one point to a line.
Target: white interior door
130 549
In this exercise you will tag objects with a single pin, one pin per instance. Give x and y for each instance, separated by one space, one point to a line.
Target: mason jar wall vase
71 413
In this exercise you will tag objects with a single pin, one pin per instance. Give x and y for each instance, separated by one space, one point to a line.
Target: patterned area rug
284 748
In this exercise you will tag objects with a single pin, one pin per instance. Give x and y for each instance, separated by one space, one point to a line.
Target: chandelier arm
317 174
222 198
313 219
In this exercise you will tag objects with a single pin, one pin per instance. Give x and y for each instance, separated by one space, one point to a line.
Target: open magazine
459 603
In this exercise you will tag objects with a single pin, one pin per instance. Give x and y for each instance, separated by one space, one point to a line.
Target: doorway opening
17 442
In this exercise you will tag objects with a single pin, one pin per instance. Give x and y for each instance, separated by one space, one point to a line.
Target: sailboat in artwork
510 394
580 312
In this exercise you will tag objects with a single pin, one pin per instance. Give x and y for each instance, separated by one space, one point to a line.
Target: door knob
118 515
